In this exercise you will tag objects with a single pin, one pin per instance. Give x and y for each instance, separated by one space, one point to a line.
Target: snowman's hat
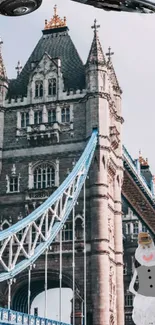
144 238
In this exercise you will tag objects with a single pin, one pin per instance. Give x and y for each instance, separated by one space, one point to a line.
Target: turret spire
3 75
18 68
109 54
96 54
111 71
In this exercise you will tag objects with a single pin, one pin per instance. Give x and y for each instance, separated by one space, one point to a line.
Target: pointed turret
96 65
3 76
111 72
97 85
3 79
96 54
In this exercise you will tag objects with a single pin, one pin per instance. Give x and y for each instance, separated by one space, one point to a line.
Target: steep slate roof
57 43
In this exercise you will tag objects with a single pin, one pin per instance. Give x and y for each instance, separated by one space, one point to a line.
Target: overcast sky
132 38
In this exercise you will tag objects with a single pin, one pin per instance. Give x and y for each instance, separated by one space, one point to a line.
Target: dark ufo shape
139 6
18 7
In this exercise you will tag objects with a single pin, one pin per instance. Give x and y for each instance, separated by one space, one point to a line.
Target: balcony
44 133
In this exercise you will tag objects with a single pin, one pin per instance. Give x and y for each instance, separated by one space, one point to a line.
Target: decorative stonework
56 21
47 128
112 288
114 137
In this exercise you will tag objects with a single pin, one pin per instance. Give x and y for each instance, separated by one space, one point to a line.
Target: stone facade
46 118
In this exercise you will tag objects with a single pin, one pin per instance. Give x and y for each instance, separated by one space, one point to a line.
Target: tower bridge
64 174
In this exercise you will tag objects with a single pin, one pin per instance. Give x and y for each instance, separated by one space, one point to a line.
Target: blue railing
12 317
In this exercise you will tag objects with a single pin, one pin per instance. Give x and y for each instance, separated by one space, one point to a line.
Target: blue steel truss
31 236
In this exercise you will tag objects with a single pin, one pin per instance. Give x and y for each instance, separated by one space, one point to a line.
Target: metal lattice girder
22 243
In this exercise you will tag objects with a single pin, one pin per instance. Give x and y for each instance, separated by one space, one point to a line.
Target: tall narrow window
67 232
128 228
37 117
39 88
52 87
65 115
125 268
52 116
14 184
79 228
135 227
144 229
128 300
44 176
24 119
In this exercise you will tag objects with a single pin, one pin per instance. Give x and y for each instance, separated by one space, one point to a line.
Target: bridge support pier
119 250
100 244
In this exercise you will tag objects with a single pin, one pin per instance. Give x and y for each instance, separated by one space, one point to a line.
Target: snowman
144 301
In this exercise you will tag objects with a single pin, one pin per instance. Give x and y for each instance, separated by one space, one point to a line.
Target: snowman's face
145 254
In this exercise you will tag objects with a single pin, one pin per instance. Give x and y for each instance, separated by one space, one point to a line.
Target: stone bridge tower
49 113
103 110
3 91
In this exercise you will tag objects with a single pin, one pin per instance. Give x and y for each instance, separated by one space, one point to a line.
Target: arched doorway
38 304
37 299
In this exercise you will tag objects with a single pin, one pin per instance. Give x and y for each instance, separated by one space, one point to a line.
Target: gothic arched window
52 87
52 116
5 224
44 176
65 115
39 88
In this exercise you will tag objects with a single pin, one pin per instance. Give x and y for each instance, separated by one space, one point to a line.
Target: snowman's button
149 270
151 286
150 277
